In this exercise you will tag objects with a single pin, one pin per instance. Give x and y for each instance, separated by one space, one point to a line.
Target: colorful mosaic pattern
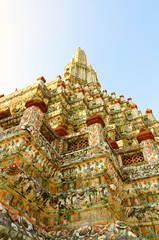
48 192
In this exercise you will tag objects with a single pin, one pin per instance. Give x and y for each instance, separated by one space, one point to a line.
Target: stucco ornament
14 226
12 169
112 187
81 194
120 224
83 231
26 224
12 215
37 187
51 234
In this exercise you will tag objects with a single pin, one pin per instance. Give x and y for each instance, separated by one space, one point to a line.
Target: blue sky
120 39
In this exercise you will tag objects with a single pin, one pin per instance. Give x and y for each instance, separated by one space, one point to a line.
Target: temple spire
79 56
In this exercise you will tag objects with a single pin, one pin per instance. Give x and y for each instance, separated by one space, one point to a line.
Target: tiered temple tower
77 163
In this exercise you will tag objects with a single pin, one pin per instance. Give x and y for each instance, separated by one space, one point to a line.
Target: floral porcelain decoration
26 224
120 224
12 169
81 194
83 231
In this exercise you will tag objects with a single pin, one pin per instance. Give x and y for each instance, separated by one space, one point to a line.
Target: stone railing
8 132
140 171
11 121
77 155
42 142
132 148
89 152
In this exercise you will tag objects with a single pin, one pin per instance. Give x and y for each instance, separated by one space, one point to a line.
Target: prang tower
77 163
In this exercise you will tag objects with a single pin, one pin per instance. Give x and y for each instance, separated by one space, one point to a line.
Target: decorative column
86 88
68 82
5 114
86 91
58 78
41 80
99 99
113 95
95 127
149 114
77 85
61 87
80 93
116 103
112 132
130 101
134 110
36 107
96 90
113 143
33 115
61 131
147 141
121 98
105 93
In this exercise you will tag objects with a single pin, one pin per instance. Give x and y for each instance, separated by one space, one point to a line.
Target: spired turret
79 56
77 70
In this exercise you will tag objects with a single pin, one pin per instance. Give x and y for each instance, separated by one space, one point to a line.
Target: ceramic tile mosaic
49 190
